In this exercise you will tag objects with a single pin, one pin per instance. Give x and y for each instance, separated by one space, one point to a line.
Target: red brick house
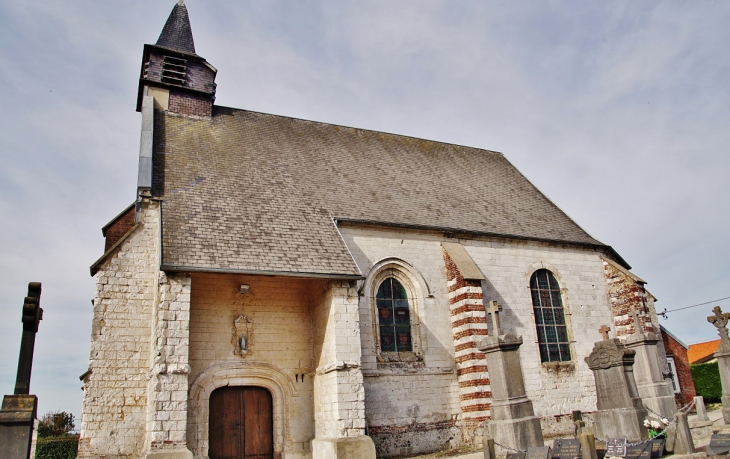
681 376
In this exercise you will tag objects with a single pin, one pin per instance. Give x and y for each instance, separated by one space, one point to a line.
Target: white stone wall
507 266
115 393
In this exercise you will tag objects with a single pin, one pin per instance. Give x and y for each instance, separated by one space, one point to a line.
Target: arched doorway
241 423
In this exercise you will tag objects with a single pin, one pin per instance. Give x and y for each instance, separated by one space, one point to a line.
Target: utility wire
664 313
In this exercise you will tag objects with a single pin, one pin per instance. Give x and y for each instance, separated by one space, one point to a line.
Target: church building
283 288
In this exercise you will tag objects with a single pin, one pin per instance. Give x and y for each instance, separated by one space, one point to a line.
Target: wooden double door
241 423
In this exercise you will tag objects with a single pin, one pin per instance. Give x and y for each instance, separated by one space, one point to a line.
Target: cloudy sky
618 111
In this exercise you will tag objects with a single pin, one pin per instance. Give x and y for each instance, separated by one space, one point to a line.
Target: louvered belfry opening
174 70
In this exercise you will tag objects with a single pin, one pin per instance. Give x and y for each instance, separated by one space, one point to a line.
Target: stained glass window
394 317
552 332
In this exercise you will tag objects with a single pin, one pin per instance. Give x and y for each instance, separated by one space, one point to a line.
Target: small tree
55 424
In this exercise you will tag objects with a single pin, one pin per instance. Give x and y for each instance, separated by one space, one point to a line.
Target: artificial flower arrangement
656 427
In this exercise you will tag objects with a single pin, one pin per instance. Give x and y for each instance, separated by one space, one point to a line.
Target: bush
707 381
55 424
63 447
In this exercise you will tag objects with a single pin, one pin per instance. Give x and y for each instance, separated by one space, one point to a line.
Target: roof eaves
105 227
97 264
674 337
256 272
469 232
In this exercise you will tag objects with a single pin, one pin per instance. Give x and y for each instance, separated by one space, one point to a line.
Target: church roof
252 192
177 34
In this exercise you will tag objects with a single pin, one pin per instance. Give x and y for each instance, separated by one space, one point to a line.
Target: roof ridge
361 129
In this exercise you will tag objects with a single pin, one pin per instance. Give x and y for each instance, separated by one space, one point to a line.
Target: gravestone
539 452
566 448
513 422
657 447
719 444
639 451
18 412
616 447
700 408
719 320
684 443
654 390
620 413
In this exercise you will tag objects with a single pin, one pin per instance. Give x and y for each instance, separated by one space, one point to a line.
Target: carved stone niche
242 334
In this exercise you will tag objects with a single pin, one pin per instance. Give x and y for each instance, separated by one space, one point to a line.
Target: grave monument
620 413
18 412
513 423
719 320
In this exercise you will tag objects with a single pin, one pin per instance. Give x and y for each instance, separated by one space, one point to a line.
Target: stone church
284 288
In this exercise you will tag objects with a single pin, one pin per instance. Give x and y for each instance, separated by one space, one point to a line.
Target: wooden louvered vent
174 70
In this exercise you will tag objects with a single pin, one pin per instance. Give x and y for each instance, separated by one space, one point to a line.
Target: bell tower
172 73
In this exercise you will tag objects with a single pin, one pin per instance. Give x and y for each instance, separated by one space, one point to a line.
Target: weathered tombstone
18 412
722 354
616 447
657 447
515 455
653 389
539 452
620 411
566 448
684 443
639 451
513 422
719 444
700 408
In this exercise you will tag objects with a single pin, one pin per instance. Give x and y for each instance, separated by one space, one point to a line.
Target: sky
617 111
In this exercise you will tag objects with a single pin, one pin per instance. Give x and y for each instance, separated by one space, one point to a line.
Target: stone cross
493 310
32 315
604 331
720 320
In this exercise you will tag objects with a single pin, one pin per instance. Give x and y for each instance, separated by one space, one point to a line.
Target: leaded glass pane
387 339
552 334
399 292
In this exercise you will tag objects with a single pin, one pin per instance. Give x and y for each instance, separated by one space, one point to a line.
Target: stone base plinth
17 418
520 433
176 453
621 423
343 448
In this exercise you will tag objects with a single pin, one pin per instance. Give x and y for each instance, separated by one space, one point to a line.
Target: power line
664 313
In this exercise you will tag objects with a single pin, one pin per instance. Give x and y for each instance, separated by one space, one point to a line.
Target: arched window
394 317
552 332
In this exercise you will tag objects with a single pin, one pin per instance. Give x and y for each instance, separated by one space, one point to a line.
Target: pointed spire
177 33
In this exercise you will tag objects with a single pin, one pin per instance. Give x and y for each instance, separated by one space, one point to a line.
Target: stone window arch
552 328
395 305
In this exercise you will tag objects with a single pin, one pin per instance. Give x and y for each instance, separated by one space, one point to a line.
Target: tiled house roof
246 191
702 352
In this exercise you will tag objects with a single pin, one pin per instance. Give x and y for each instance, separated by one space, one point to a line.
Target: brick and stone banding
469 325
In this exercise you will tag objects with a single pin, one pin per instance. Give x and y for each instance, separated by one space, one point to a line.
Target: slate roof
247 191
177 34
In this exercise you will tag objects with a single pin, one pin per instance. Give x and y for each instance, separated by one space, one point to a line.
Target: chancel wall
421 401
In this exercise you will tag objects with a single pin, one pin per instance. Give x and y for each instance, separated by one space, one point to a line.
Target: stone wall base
176 453
343 448
621 423
520 433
